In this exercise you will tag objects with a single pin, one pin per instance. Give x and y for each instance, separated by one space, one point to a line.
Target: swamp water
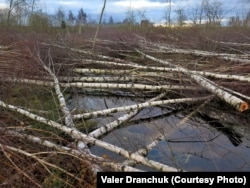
191 145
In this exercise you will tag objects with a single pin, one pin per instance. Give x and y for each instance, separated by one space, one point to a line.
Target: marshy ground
206 132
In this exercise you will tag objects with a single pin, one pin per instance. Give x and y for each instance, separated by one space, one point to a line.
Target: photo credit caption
175 179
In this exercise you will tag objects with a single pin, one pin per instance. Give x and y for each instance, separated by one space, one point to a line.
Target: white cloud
68 3
140 4
154 9
3 5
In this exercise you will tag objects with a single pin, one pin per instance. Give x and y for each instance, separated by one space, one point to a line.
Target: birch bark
236 102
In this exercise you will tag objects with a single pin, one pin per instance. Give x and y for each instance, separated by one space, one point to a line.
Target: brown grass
18 59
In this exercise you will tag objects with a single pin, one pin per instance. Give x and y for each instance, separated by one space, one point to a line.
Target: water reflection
202 143
233 135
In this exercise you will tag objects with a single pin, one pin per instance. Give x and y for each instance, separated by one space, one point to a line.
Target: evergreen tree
111 21
71 18
81 17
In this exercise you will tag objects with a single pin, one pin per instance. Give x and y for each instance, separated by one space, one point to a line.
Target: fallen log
161 69
138 107
82 154
212 87
127 86
68 117
76 134
107 128
225 56
105 85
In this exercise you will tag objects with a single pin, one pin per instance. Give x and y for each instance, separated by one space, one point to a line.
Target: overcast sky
153 9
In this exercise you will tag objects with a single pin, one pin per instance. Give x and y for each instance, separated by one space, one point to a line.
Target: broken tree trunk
234 101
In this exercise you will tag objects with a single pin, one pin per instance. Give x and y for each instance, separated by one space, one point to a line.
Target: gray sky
153 9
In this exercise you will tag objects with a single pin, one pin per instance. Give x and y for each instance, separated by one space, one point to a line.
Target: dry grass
18 59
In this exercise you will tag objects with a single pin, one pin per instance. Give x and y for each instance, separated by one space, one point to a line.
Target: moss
53 180
86 126
39 100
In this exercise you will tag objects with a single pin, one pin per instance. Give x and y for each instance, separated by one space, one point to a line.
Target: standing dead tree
99 24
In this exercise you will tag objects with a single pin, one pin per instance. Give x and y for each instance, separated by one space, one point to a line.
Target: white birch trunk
228 57
89 158
127 86
109 85
68 118
138 107
160 69
236 102
76 134
108 127
230 43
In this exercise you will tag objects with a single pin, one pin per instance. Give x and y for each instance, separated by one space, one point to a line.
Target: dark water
192 145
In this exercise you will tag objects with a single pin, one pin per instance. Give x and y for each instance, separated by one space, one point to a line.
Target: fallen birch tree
161 69
106 73
110 126
236 102
107 85
76 134
90 159
227 57
138 106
